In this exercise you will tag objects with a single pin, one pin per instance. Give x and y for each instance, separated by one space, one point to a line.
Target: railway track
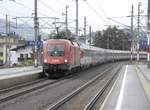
25 88
21 85
93 101
67 98
14 92
47 87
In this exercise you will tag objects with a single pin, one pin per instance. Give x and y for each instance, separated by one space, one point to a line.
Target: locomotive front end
55 59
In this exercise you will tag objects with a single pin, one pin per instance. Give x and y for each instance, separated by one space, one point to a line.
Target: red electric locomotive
60 56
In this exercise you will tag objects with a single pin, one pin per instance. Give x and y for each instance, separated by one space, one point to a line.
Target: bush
27 62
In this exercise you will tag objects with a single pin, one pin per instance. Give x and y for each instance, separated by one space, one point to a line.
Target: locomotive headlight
65 60
45 60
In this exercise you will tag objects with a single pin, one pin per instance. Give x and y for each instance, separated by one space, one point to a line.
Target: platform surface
128 92
18 71
145 71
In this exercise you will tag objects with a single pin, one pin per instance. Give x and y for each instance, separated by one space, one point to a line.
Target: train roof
57 40
62 41
88 47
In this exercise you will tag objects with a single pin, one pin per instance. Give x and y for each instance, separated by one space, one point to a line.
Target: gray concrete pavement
145 71
18 71
128 92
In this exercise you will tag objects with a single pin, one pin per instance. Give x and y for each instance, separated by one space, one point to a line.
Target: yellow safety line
144 82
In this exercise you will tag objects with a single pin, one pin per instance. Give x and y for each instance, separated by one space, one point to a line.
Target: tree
113 38
98 40
61 35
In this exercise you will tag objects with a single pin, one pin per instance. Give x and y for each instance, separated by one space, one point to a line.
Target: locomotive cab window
55 50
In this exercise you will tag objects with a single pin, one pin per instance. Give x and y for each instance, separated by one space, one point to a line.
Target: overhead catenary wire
21 4
48 7
118 22
46 22
108 18
29 8
2 13
102 9
112 18
5 13
94 11
43 3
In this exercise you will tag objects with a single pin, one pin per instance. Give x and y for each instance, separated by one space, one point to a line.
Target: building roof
21 47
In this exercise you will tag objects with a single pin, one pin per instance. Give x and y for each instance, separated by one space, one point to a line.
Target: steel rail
21 85
75 92
11 96
100 92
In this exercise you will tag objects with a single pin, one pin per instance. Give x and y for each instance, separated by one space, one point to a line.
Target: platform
146 72
131 91
13 76
18 71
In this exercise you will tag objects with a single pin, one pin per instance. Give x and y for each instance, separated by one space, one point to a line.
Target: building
8 41
21 54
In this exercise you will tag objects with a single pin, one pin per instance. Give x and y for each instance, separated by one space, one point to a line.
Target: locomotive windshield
55 50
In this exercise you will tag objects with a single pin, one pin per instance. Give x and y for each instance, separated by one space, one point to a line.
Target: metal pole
35 34
85 29
55 25
148 34
16 23
6 32
16 26
77 21
8 35
90 35
6 28
67 6
138 31
9 27
132 43
108 39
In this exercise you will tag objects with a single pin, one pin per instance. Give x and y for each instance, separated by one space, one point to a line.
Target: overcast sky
96 11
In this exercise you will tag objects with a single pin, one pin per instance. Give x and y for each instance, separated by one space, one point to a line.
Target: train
62 57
